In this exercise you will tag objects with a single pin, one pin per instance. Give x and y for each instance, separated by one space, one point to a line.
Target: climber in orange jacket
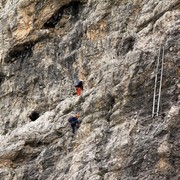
79 88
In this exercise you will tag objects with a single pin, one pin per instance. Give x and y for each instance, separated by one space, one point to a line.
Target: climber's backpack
70 119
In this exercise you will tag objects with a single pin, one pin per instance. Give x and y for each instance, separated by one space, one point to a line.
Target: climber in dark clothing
79 87
74 122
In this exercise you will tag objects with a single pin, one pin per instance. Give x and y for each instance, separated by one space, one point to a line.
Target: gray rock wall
46 46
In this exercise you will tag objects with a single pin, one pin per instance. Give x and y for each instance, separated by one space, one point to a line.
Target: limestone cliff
113 46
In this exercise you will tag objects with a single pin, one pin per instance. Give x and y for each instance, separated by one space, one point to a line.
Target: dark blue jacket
79 84
73 120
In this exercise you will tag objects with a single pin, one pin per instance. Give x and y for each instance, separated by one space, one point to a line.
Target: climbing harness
158 82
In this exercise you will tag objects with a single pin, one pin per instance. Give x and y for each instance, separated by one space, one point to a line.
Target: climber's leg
73 128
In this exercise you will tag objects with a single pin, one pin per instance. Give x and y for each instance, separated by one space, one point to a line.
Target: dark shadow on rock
126 46
34 115
2 77
71 10
19 52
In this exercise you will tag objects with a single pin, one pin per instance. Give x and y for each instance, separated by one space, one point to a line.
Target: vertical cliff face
113 46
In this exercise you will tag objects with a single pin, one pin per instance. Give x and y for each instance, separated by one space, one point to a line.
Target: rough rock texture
112 45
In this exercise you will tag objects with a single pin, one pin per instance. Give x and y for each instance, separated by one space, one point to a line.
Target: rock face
46 46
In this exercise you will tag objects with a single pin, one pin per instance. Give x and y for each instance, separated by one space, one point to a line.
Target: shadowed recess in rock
126 46
2 77
20 52
71 10
34 115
